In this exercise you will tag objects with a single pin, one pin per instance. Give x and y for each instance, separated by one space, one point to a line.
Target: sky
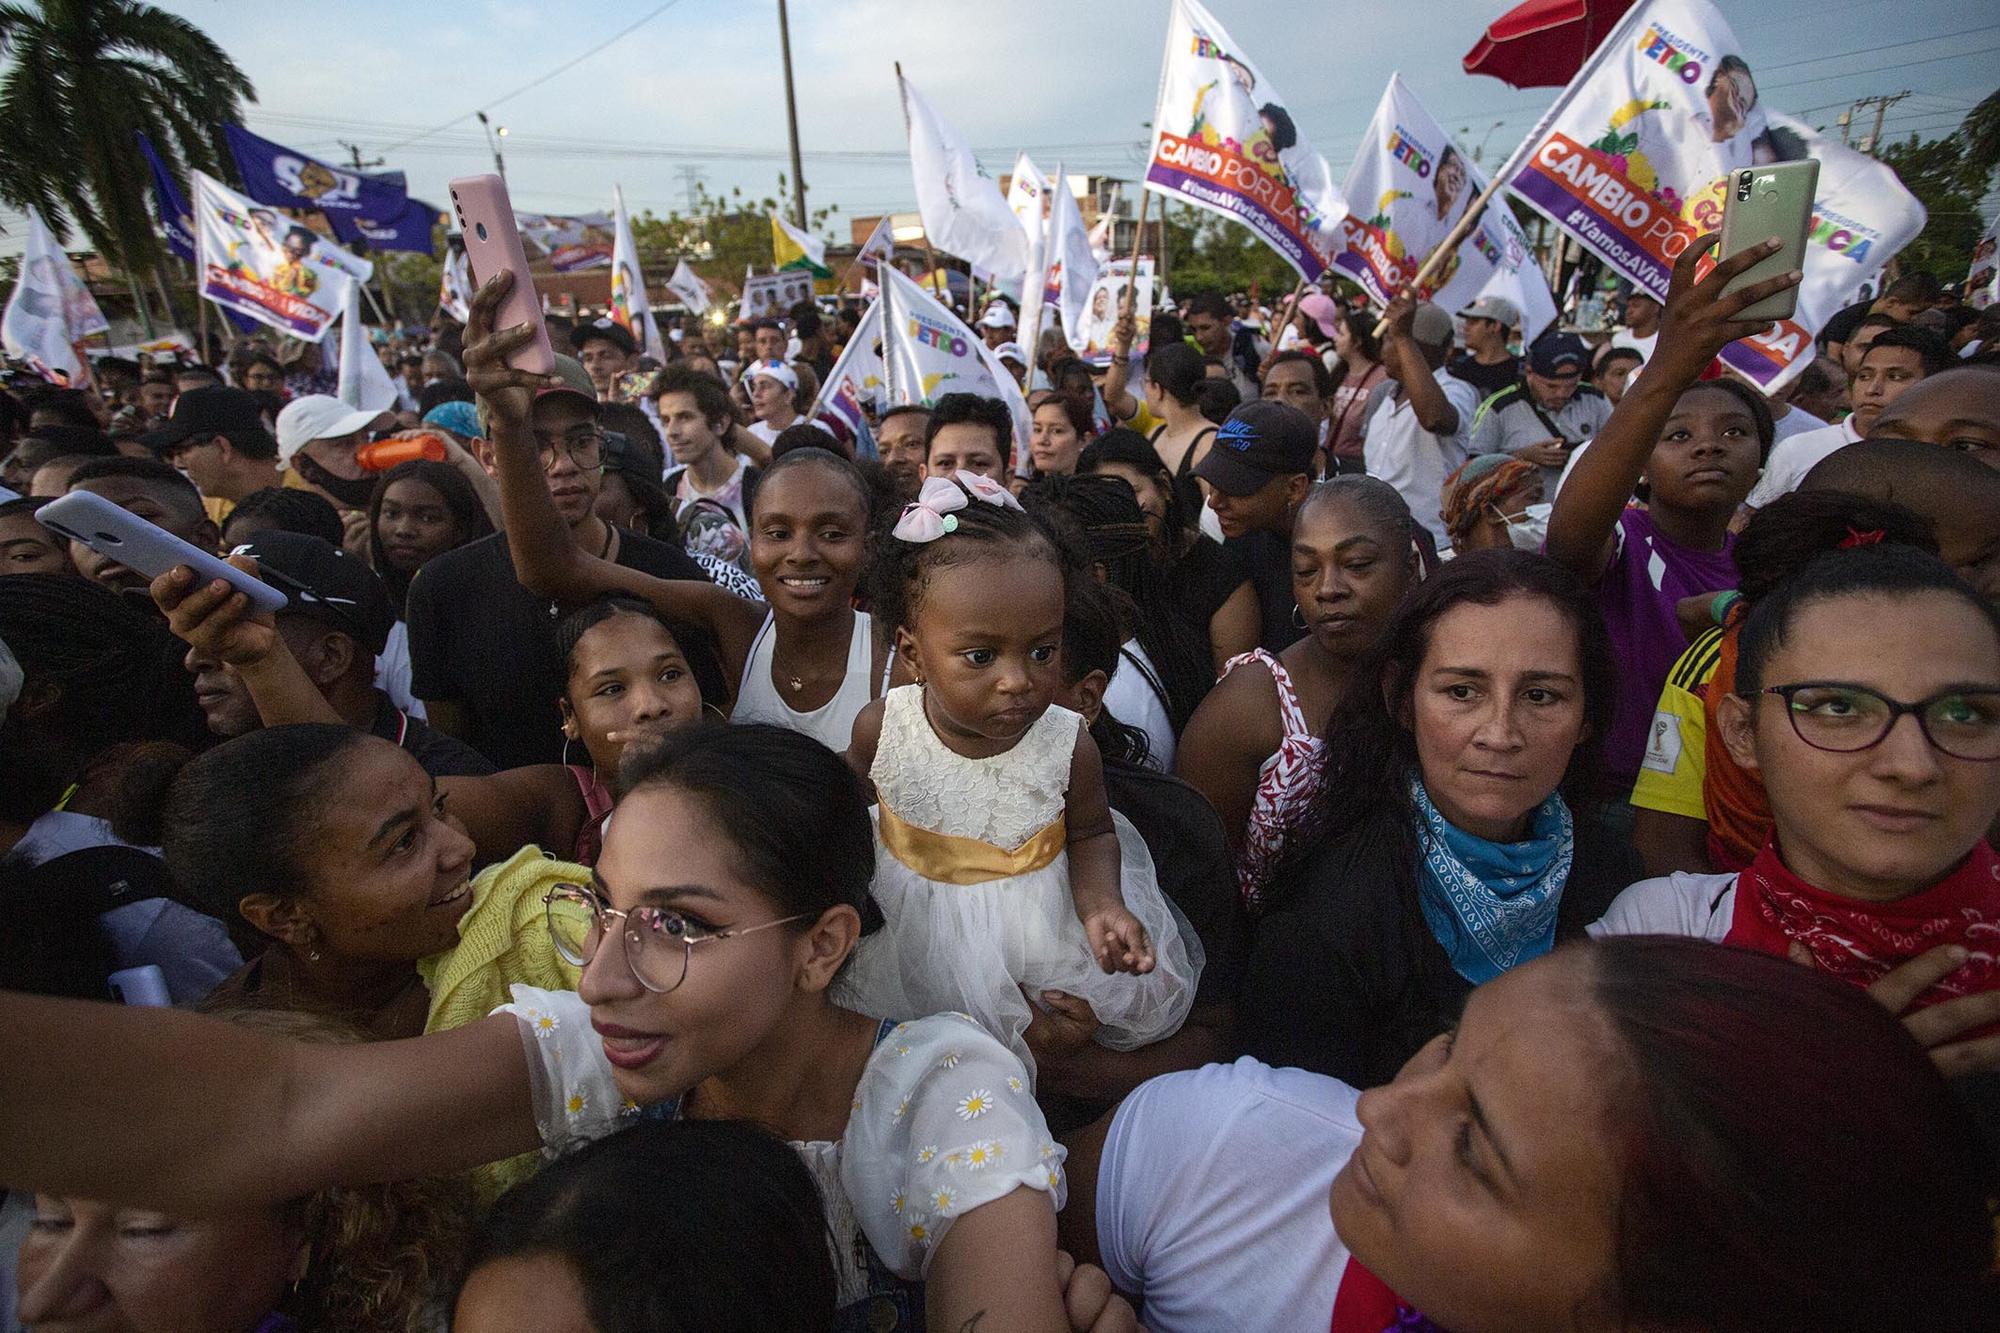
697 85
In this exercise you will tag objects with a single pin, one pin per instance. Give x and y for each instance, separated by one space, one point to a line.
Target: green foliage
1208 252
1950 177
82 77
721 236
413 281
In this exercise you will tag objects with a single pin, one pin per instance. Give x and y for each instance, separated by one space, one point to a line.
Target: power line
1891 46
567 65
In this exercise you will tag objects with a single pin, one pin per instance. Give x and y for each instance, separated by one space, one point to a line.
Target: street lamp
499 163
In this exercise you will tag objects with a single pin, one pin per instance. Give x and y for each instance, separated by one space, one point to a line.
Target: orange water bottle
385 454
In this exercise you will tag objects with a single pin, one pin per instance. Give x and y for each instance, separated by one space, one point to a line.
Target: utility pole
792 121
1872 145
354 156
385 307
499 163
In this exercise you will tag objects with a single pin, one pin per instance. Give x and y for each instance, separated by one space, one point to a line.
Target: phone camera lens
480 230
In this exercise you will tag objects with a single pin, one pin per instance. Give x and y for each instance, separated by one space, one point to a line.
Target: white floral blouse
944 1120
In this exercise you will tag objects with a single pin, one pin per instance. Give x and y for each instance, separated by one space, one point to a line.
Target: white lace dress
943 1121
972 946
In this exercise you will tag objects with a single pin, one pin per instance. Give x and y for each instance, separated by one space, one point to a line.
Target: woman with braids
283 509
1206 580
1450 837
1252 748
1697 809
1166 670
101 682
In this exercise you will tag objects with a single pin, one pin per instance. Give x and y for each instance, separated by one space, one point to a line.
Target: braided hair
902 570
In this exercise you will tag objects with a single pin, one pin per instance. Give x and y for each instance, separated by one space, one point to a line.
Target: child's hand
1118 941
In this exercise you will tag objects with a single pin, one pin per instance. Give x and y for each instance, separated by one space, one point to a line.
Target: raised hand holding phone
146 547
493 246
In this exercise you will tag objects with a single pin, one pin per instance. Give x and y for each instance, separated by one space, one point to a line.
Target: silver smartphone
1761 202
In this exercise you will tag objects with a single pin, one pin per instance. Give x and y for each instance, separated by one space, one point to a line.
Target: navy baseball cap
1556 353
1261 439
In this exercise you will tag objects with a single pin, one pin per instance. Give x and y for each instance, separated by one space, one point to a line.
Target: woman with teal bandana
1452 839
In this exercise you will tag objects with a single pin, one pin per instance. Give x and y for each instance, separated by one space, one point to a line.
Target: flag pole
1291 309
887 322
1138 240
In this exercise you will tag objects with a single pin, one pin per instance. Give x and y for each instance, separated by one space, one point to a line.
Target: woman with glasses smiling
1867 699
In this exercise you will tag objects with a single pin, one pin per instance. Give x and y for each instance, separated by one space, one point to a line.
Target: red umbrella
1542 43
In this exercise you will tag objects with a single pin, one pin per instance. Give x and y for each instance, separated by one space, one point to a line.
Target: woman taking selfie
1449 841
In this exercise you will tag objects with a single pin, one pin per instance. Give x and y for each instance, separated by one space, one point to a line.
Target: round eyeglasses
658 940
585 447
1846 719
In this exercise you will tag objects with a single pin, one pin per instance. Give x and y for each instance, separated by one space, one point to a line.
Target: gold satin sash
954 860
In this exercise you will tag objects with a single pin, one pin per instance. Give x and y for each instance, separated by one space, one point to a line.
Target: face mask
1529 528
355 493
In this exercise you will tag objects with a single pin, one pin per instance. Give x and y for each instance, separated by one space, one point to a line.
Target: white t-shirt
1212 1198
1798 421
392 672
1791 459
944 1120
1413 460
766 432
1700 906
1643 346
1131 699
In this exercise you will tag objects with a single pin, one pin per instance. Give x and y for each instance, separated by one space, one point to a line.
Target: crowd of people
1354 826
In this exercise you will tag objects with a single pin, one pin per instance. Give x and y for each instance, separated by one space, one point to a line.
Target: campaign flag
176 219
687 284
880 245
409 230
1222 140
772 295
1072 266
455 280
856 378
254 262
961 206
630 305
1107 299
1100 230
1633 161
50 312
364 383
1028 195
930 352
795 249
1413 184
1982 281
276 175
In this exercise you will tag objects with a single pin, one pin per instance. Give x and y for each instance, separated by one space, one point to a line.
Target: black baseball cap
212 409
1557 353
1261 439
610 330
326 583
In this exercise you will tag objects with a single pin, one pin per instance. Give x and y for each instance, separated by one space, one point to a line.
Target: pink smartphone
493 243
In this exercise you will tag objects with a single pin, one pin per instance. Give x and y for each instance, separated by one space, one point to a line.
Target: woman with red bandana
1867 699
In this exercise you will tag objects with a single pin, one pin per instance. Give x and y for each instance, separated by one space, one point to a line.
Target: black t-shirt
1489 380
1203 578
1191 857
442 756
480 640
1841 327
1268 559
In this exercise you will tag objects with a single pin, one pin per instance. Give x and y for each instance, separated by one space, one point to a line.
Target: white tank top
758 698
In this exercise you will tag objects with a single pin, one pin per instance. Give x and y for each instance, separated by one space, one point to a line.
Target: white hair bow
929 516
985 488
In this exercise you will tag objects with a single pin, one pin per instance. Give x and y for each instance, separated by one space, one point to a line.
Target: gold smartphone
1771 200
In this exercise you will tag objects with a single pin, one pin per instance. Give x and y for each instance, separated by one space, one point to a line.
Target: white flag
963 211
1072 265
1222 140
50 312
1100 230
1411 183
856 378
930 352
1028 194
255 262
630 307
1982 281
363 381
1635 157
880 245
687 285
455 283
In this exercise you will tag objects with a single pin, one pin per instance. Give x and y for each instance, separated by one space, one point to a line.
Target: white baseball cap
776 370
997 316
317 416
1011 352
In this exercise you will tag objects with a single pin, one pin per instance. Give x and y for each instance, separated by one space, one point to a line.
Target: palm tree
81 77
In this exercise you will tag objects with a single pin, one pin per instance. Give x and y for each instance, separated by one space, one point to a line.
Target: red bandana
1860 941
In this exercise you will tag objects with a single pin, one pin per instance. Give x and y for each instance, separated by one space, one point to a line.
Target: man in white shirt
1416 436
773 387
1642 324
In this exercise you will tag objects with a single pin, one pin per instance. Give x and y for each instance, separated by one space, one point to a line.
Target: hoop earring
565 750
1298 617
720 716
